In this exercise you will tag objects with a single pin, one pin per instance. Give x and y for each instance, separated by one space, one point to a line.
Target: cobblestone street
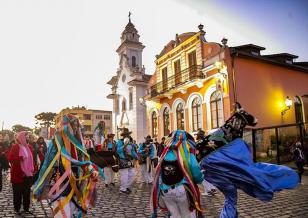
289 203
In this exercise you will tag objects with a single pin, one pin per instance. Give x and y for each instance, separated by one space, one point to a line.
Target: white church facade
128 85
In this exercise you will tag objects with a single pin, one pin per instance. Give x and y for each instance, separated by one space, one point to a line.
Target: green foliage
45 119
7 132
18 128
37 130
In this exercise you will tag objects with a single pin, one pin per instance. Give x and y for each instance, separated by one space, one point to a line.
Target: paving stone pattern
110 203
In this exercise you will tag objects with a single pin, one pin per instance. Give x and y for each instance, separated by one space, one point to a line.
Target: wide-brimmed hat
200 133
125 132
148 139
110 135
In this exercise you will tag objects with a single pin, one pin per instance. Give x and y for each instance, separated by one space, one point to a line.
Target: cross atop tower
129 14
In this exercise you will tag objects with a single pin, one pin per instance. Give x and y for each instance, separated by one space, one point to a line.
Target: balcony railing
184 76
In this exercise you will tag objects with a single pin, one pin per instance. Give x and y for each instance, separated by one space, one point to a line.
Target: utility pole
2 125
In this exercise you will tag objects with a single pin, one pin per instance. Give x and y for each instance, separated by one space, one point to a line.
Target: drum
105 159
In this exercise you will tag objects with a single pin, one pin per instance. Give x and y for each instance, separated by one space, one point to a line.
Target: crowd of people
173 167
23 156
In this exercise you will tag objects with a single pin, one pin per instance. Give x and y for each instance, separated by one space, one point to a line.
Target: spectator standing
161 147
22 167
299 159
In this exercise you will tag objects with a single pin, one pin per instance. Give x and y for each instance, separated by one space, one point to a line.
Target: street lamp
288 103
142 101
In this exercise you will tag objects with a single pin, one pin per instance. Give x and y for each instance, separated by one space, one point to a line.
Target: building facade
196 83
89 118
128 85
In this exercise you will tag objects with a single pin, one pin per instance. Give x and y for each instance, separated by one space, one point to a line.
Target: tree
45 119
18 128
8 133
37 130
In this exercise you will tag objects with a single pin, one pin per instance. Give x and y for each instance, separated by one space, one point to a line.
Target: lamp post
288 103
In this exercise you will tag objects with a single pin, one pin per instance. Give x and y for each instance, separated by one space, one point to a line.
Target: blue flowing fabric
231 167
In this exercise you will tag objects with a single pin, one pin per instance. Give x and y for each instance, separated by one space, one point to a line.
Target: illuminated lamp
288 103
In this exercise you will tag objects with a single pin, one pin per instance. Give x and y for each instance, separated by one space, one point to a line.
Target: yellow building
196 83
89 118
188 89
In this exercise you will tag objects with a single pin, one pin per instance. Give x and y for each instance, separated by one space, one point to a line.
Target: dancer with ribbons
229 166
67 178
176 179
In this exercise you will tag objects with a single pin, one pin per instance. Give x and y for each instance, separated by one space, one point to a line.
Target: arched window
133 61
196 113
130 100
216 110
117 105
123 105
298 110
180 116
166 121
154 124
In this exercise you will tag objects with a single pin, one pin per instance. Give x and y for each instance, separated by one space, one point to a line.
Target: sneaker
106 185
28 212
128 190
112 184
124 192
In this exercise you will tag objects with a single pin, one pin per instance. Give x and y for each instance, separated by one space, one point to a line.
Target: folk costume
109 145
230 166
147 153
67 178
89 143
176 178
127 153
99 135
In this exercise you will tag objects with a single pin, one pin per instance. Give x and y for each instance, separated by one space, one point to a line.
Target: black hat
148 139
200 133
110 135
125 132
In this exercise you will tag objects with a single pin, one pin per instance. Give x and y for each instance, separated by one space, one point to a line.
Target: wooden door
177 72
192 63
165 79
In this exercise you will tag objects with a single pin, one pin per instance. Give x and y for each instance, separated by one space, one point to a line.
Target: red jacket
17 175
